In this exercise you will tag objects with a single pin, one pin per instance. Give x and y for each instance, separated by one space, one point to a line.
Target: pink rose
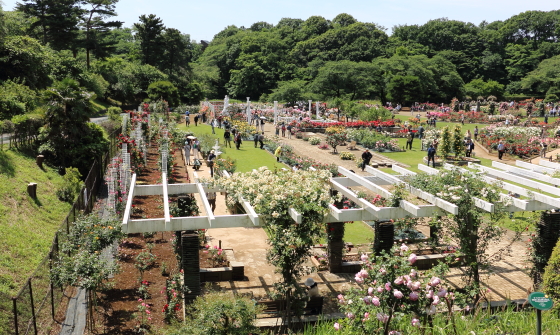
412 258
415 323
413 296
398 294
375 301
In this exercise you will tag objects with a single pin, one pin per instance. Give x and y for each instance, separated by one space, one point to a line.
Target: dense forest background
44 42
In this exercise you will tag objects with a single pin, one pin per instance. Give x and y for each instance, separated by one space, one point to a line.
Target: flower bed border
236 270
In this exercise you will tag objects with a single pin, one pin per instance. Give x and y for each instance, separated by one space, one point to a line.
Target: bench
276 307
352 145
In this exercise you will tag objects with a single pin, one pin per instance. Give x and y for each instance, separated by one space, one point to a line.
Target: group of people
192 148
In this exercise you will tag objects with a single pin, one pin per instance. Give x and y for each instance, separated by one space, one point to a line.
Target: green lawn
248 157
27 226
358 232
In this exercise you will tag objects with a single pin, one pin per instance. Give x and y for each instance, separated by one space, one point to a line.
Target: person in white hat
312 289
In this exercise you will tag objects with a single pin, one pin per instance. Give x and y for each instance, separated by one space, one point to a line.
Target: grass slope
27 226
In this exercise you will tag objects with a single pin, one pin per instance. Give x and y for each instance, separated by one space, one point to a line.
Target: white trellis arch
535 181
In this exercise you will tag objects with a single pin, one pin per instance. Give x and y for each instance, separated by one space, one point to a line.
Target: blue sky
203 19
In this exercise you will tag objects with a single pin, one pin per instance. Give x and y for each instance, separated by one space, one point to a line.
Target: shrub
315 140
345 155
551 278
219 313
114 113
71 186
323 146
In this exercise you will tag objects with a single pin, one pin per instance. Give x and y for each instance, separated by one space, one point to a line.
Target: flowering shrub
373 140
519 141
391 288
227 164
323 146
175 292
272 195
473 229
346 155
315 140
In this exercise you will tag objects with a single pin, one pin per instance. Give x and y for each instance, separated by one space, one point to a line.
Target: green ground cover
27 226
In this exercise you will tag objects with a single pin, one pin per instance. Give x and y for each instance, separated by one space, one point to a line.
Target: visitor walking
238 140
409 140
289 128
188 148
210 162
432 155
227 138
261 140
544 146
283 130
196 149
256 139
187 118
366 157
196 120
475 133
469 146
211 196
501 149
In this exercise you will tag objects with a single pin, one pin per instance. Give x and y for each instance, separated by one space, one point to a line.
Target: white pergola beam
536 197
527 173
383 175
131 190
517 179
402 170
364 182
295 215
205 203
253 216
548 164
443 204
534 167
427 169
418 211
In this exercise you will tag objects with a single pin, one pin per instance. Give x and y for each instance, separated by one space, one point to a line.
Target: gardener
366 156
278 152
312 288
432 155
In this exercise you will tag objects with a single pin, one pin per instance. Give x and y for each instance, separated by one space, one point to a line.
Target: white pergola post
275 112
248 110
310 101
226 104
317 109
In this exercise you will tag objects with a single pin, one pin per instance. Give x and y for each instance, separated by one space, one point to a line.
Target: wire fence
37 304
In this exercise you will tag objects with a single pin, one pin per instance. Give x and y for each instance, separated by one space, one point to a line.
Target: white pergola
535 177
